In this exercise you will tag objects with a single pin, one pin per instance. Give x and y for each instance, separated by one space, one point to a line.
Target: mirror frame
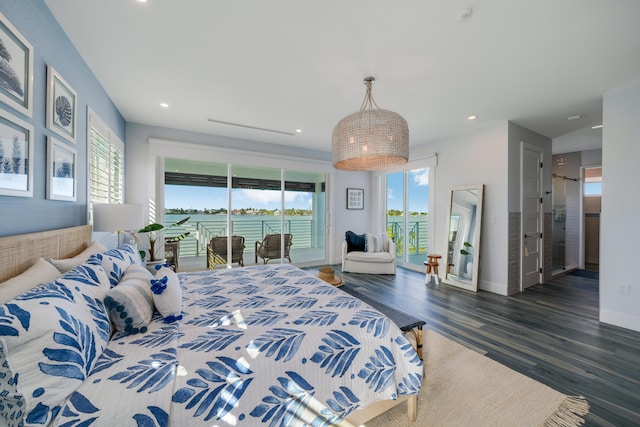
471 285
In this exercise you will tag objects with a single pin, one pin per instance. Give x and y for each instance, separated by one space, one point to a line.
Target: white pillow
67 264
167 294
39 273
130 303
373 242
50 339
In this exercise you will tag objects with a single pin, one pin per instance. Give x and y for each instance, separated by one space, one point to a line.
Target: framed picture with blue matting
16 68
62 103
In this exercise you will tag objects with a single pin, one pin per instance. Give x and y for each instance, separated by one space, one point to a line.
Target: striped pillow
130 303
373 242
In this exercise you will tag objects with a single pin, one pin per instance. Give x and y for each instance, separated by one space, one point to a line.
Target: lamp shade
370 139
117 217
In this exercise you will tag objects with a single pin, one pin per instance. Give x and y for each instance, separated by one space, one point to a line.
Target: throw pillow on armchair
355 242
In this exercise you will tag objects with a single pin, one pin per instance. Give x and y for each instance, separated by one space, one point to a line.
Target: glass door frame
229 167
429 161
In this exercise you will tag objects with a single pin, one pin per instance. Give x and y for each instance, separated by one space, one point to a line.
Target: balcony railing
203 231
418 236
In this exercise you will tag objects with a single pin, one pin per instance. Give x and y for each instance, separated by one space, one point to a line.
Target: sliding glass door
256 207
304 214
407 220
249 202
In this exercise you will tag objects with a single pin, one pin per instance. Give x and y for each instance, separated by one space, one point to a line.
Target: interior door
531 216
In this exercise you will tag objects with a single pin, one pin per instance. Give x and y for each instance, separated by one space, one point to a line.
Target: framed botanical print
16 68
61 171
355 198
61 106
16 156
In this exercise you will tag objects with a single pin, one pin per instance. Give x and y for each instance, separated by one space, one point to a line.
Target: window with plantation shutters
106 163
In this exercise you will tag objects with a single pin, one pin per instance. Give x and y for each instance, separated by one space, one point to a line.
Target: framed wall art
355 198
16 157
16 68
61 170
61 106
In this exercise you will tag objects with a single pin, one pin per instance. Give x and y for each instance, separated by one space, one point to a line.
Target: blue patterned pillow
50 339
130 303
116 261
167 294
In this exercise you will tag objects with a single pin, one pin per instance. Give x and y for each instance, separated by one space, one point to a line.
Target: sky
187 197
418 190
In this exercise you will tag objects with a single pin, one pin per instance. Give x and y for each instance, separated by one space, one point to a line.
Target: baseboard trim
496 288
619 319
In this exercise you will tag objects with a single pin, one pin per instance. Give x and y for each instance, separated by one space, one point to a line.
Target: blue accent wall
36 23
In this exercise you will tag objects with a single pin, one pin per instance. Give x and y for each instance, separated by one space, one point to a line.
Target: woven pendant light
371 139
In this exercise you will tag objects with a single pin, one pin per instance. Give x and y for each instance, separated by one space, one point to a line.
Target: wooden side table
432 268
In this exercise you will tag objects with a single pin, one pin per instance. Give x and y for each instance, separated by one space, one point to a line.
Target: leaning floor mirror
464 221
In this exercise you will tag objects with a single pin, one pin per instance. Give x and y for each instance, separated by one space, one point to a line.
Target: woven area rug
465 388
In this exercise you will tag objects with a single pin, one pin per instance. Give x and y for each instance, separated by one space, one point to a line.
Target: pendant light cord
368 103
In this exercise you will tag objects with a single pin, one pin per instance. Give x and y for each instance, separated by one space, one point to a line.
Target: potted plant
154 233
466 251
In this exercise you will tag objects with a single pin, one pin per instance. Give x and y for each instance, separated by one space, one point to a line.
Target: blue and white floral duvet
261 345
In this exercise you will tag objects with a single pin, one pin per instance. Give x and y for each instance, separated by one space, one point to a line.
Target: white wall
620 224
580 140
475 158
356 220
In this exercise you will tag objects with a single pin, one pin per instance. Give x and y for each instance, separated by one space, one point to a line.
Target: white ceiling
288 64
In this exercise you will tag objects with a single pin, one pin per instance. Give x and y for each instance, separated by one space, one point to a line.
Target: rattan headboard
19 252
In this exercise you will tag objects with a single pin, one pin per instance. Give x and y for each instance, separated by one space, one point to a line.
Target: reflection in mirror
463 236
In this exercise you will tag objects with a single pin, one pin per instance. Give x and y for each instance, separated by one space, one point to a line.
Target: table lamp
125 219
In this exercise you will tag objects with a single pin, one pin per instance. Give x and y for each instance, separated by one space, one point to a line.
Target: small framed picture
16 156
61 171
355 198
16 68
61 106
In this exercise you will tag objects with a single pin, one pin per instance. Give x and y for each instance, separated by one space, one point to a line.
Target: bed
260 345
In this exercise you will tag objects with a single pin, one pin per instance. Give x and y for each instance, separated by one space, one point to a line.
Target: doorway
592 203
531 190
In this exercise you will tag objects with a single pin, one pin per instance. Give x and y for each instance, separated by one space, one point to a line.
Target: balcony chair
269 248
172 253
217 251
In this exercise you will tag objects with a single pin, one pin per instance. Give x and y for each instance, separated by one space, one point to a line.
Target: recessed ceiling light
298 130
472 117
465 14
596 127
576 117
164 105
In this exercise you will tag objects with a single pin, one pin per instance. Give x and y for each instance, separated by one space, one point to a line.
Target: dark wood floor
550 333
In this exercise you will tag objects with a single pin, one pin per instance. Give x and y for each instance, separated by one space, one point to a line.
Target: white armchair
357 261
